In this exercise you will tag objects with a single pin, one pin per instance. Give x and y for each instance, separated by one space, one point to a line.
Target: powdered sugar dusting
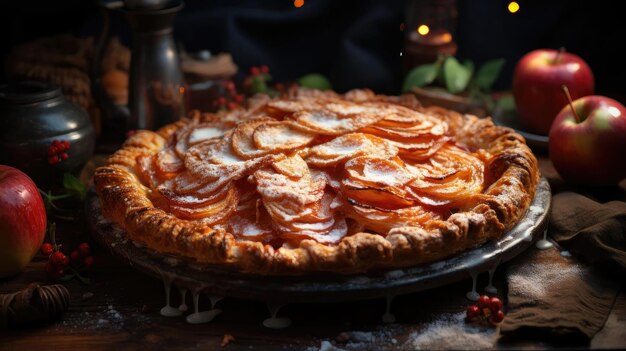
540 279
451 331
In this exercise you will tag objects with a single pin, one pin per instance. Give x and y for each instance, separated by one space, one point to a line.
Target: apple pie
319 182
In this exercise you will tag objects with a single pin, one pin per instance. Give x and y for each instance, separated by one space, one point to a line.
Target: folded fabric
556 298
590 230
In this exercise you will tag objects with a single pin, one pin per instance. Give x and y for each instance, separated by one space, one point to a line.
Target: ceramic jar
32 115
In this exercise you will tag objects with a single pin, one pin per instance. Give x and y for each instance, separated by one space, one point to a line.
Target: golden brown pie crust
508 182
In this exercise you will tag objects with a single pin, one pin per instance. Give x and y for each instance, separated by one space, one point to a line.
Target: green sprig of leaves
455 76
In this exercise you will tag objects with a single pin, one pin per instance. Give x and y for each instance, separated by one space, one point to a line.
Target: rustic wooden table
120 310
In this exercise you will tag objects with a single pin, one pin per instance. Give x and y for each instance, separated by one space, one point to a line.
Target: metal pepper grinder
156 87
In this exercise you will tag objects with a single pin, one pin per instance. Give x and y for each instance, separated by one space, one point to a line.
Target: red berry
232 105
84 249
49 268
472 312
495 304
75 255
66 261
64 156
229 85
47 249
497 317
239 98
57 258
66 144
484 301
254 70
52 150
265 69
88 261
220 101
53 160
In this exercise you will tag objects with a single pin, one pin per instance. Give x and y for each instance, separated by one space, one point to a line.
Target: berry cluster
231 99
60 264
57 151
255 71
487 310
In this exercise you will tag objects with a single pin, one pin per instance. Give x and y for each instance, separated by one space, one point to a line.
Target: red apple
590 148
22 220
537 82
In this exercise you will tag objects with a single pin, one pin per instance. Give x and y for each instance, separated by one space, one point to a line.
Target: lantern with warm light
429 31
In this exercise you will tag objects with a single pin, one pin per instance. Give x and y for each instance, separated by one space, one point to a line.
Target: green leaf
506 104
74 186
66 278
315 81
420 76
469 65
488 73
456 75
259 83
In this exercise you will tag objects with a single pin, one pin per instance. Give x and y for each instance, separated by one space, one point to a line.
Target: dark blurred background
354 43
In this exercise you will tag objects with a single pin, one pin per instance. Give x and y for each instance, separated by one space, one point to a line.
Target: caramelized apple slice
145 170
251 223
212 213
242 140
448 177
280 136
168 163
382 220
376 182
195 133
338 117
348 146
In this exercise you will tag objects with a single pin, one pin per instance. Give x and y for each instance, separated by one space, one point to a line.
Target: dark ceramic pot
32 115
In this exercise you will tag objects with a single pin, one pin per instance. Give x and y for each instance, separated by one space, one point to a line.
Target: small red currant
497 317
238 98
472 312
47 249
88 261
57 258
49 268
232 105
64 156
265 69
484 301
84 249
53 159
75 255
229 85
254 70
495 304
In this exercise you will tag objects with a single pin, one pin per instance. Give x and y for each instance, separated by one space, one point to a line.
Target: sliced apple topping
382 220
280 136
377 182
348 146
212 212
295 199
418 136
243 139
337 118
451 174
168 163
194 133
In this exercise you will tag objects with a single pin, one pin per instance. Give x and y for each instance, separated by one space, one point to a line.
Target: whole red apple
22 220
537 82
590 150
